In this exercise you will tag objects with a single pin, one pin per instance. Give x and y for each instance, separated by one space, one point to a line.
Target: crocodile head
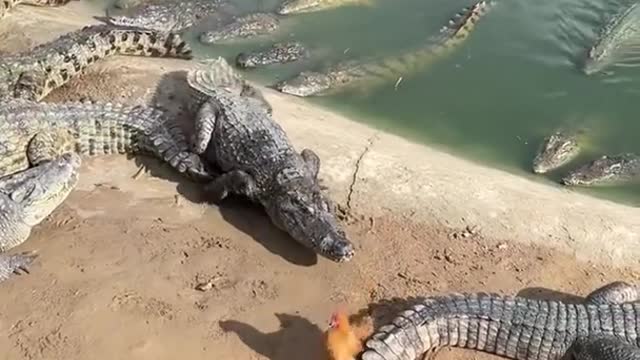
306 214
596 59
606 169
41 189
555 151
307 83
297 6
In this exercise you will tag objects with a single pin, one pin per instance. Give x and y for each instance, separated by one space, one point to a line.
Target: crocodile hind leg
617 292
48 146
603 347
6 5
235 182
32 85
204 126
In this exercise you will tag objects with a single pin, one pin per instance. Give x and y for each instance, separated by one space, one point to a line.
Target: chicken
343 340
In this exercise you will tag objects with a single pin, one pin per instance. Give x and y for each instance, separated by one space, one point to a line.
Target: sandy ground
121 259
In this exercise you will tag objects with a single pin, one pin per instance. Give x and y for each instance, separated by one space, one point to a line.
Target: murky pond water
515 80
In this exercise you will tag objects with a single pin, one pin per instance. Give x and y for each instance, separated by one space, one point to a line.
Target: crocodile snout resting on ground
607 170
555 151
33 74
379 71
27 198
242 27
278 53
169 15
7 5
303 6
237 134
606 326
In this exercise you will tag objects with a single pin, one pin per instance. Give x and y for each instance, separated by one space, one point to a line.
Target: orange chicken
343 340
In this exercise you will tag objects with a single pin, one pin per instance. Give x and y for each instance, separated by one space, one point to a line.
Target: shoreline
376 173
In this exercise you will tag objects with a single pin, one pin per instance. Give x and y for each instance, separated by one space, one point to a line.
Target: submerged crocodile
245 26
607 170
7 5
621 31
303 6
257 160
278 53
349 73
606 326
33 74
169 15
556 150
27 198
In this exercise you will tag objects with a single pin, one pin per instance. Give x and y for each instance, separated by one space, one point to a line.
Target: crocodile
606 170
256 160
242 27
304 6
514 327
556 150
620 36
33 74
169 15
7 5
27 198
351 72
278 53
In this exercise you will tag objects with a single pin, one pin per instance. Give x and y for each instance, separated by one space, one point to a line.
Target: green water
511 83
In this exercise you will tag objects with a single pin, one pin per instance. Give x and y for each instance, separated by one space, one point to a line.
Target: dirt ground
122 259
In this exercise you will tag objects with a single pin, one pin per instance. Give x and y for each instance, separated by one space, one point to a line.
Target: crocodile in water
33 74
515 327
555 151
169 15
607 170
27 198
7 5
242 27
349 73
257 160
278 53
303 6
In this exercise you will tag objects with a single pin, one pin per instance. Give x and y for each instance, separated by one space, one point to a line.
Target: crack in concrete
354 178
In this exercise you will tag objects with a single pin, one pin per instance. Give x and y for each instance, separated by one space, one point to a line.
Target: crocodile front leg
235 182
48 146
312 160
603 347
617 292
204 126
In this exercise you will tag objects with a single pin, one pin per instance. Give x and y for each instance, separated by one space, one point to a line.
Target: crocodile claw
15 264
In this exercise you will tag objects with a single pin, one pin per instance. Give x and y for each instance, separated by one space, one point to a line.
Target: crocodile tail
479 321
46 2
144 42
463 23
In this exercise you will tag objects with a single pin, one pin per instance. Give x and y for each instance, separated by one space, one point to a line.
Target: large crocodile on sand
607 170
303 6
33 74
606 326
242 27
556 150
278 53
27 198
349 73
170 15
7 5
238 135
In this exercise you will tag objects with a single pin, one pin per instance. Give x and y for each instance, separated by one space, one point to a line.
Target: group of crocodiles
238 148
